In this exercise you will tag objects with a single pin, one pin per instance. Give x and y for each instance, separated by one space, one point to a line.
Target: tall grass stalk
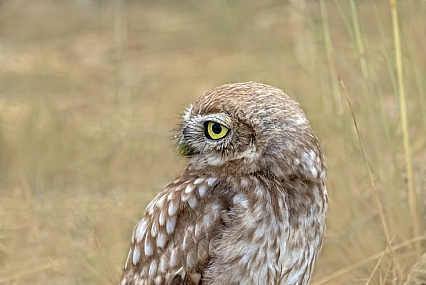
329 52
359 41
376 195
369 259
103 258
403 113
27 271
375 269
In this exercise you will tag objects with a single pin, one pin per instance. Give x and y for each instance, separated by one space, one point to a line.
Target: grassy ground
90 91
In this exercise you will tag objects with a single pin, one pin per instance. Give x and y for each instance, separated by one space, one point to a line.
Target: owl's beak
184 150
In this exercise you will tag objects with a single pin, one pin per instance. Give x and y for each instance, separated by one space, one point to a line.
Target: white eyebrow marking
187 114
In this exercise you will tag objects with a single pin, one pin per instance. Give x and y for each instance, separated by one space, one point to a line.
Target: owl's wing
173 242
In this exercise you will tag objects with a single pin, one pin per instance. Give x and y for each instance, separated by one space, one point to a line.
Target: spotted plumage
250 206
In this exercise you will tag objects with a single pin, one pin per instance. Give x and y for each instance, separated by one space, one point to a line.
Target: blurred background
92 89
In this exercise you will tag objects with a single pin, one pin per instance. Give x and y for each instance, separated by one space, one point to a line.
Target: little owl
250 206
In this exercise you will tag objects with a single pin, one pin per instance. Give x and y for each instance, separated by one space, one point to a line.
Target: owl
250 206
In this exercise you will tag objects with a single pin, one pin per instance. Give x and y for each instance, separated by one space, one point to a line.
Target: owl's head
249 128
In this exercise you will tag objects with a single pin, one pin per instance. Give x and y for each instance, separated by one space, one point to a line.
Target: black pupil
216 128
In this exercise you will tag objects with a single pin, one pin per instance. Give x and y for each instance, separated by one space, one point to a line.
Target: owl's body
250 206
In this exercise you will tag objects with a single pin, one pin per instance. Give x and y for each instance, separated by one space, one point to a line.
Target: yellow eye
215 131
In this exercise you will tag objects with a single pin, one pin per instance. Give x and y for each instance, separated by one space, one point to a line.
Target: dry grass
90 92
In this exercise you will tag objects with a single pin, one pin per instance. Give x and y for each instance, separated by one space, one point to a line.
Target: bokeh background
92 89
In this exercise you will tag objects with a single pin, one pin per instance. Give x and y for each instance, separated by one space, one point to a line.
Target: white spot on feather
244 182
162 267
314 171
198 181
173 208
180 187
296 161
161 240
202 190
162 218
170 224
158 280
300 121
211 180
160 202
189 188
197 230
195 277
192 202
176 181
152 268
207 223
258 191
184 197
309 159
140 230
244 259
173 258
150 207
241 200
154 229
149 250
186 241
215 207
136 255
171 196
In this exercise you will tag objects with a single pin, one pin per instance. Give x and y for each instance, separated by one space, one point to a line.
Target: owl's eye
215 131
